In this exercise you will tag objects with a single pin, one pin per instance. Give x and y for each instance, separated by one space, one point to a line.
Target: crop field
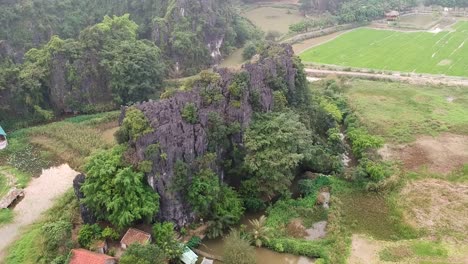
273 18
445 52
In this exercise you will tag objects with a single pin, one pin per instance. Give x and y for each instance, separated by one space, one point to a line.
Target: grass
273 18
6 216
71 140
29 249
422 52
414 249
399 111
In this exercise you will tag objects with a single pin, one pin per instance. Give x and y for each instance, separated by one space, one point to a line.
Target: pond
263 255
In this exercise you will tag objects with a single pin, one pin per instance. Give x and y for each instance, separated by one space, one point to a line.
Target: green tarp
2 132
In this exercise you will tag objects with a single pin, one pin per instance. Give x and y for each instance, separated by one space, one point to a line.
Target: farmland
272 18
445 52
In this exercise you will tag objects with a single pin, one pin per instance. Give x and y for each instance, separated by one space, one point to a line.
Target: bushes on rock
190 113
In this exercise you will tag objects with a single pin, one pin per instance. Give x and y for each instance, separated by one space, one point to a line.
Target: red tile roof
135 236
83 256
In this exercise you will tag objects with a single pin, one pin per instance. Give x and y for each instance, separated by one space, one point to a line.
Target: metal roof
2 132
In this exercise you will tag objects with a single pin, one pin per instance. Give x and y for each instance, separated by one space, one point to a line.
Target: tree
165 239
203 192
116 192
137 70
237 250
249 51
259 231
276 144
143 254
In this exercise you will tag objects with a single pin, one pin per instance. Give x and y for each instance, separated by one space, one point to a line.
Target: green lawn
400 111
422 52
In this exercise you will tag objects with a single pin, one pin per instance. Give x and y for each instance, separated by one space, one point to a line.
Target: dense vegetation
72 64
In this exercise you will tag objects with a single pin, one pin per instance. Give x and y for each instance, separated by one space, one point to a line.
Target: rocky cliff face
77 84
193 33
184 141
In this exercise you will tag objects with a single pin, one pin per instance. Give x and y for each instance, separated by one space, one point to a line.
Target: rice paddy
435 52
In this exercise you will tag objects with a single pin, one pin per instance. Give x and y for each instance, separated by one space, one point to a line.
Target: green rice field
445 52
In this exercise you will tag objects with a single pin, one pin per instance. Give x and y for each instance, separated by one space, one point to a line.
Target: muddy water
263 255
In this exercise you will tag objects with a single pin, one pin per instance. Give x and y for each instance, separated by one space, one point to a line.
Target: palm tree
259 231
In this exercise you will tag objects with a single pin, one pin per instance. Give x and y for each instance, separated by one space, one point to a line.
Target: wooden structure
100 246
134 235
392 15
83 256
12 195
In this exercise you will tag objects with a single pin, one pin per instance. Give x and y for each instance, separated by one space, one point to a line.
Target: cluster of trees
326 20
349 11
87 67
447 3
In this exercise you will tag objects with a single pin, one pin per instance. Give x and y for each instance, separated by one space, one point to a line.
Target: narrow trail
424 79
38 197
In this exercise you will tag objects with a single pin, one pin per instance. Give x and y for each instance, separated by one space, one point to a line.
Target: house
83 256
100 246
3 140
392 15
134 236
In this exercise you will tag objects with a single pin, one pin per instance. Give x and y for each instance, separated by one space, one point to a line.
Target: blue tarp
2 132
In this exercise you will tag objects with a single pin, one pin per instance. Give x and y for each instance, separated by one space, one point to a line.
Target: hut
83 256
188 257
134 236
100 246
392 15
3 139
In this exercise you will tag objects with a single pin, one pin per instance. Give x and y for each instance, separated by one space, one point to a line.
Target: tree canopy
116 192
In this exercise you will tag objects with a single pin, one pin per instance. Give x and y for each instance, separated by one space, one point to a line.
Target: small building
392 15
135 236
188 257
100 246
3 139
83 256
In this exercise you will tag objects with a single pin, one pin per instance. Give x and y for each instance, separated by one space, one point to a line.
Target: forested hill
85 56
201 30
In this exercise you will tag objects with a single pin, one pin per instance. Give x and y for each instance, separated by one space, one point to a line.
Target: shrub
190 113
143 254
362 141
110 233
194 242
135 123
237 250
89 233
249 51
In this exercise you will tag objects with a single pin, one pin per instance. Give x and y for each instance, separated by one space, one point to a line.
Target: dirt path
39 196
423 79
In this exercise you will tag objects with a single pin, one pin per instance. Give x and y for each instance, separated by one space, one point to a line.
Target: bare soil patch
440 154
364 250
438 206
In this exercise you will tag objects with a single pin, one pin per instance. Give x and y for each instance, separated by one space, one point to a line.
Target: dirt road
422 79
38 197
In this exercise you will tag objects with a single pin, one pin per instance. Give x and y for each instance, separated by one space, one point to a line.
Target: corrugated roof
189 257
83 256
135 236
2 132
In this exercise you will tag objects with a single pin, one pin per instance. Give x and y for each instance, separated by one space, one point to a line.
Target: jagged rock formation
184 141
86 214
